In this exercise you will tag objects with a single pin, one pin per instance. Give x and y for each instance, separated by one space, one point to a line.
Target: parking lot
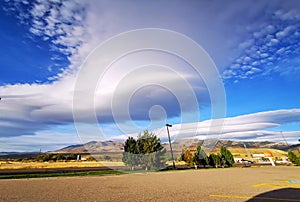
231 184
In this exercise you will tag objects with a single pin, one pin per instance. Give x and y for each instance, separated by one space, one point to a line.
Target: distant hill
296 149
114 149
113 146
265 144
8 153
93 147
18 155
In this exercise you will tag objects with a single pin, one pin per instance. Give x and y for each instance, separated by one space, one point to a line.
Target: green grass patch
67 174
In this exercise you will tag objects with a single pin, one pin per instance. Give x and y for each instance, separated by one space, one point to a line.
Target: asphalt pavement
231 184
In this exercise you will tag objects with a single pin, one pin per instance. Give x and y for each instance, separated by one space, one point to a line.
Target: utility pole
248 153
284 139
168 125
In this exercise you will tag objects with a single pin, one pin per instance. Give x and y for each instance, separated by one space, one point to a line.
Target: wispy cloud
36 107
61 23
251 127
74 28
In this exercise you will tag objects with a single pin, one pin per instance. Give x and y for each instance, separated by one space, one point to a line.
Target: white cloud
38 106
273 39
43 141
288 15
273 42
251 127
61 23
75 28
39 10
285 32
264 55
246 44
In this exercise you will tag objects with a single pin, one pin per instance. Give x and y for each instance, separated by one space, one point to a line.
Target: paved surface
235 184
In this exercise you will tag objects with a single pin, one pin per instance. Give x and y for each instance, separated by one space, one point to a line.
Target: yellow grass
297 151
21 165
241 152
169 163
112 163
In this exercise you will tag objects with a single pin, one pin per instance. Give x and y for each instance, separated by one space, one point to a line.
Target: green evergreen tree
200 157
214 160
294 158
129 154
226 157
151 151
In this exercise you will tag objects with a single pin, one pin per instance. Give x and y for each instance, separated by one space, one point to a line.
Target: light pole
168 125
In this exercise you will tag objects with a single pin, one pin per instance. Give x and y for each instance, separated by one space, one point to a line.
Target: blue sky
46 45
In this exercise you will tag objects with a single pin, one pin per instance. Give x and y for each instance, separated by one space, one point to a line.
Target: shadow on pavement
285 194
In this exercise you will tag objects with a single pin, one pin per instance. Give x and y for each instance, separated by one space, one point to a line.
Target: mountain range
178 145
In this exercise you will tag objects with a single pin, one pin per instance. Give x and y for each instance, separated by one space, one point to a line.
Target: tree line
55 157
148 152
200 158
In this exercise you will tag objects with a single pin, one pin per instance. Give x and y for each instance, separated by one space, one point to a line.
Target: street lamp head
168 125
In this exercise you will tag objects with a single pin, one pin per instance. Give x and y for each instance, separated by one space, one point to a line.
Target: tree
226 157
129 154
181 157
44 157
71 157
147 151
188 157
294 158
214 160
200 157
150 151
57 157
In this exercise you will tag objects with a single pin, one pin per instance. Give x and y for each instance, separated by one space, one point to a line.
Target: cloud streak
251 127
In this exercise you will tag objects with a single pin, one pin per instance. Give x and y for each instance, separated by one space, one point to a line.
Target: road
234 184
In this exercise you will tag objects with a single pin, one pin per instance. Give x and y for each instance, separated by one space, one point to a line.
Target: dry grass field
297 151
241 152
234 184
69 164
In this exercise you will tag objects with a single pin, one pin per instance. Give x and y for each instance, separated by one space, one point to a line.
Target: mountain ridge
115 146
